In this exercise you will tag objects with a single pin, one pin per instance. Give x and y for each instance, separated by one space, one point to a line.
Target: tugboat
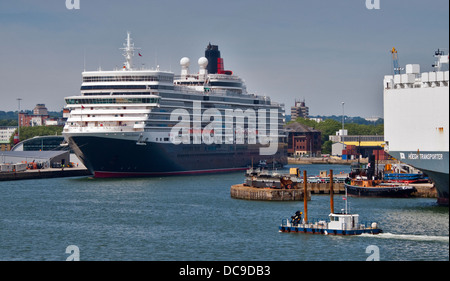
377 188
338 224
366 182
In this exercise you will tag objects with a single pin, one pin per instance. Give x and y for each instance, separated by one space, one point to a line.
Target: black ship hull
385 192
110 157
441 182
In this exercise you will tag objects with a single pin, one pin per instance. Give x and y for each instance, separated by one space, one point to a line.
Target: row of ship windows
126 87
215 98
172 95
111 100
211 84
127 78
170 124
118 94
152 78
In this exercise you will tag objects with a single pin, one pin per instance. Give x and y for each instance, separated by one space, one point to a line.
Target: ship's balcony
103 129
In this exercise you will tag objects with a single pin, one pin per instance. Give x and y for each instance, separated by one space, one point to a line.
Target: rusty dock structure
261 185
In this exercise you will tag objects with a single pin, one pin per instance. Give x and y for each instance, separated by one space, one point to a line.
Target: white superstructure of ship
123 122
416 120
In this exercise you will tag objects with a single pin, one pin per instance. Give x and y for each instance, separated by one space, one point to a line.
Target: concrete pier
321 160
44 174
240 191
424 190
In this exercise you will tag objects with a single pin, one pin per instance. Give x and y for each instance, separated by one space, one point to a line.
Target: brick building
303 140
40 114
299 110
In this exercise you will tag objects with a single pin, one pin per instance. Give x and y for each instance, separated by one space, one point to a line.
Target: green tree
30 132
326 147
328 127
8 122
331 126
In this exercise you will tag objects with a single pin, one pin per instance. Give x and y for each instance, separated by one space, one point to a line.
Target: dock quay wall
321 160
329 160
43 174
241 191
425 190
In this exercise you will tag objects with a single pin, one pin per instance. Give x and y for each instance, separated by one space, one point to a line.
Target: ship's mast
128 53
441 58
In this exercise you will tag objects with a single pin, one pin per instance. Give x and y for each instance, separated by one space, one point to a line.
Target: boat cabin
343 221
364 182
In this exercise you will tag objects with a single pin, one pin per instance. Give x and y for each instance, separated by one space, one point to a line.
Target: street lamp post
343 116
18 119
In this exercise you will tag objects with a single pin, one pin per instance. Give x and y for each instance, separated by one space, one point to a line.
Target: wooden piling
331 192
305 191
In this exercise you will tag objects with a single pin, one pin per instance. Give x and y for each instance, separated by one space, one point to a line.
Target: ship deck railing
224 92
101 129
184 77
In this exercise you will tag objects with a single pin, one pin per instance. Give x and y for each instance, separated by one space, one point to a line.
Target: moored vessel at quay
378 188
416 117
139 122
368 181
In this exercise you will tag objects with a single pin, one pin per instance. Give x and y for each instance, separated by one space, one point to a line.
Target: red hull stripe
100 174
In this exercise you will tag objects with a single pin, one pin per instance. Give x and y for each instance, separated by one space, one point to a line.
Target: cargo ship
416 117
132 122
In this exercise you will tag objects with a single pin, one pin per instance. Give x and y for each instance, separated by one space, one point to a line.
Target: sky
324 52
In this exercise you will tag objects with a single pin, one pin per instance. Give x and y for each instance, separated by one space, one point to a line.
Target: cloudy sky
325 52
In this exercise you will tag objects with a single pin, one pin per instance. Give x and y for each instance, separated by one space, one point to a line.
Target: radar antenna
128 53
441 58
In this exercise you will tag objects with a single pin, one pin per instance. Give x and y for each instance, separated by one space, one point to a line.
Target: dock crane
395 60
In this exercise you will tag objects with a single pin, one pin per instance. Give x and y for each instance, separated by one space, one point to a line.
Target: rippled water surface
194 218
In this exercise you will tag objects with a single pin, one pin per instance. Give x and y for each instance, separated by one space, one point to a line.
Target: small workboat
405 178
338 224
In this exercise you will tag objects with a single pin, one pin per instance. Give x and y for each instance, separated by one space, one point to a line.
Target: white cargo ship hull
416 127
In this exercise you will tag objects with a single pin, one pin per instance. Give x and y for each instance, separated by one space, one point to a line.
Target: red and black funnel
215 62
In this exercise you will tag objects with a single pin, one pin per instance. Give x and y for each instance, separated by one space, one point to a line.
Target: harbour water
189 218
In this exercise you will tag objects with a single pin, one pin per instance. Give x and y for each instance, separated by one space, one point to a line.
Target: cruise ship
132 122
416 117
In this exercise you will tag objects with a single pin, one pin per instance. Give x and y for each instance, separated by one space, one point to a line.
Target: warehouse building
35 159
